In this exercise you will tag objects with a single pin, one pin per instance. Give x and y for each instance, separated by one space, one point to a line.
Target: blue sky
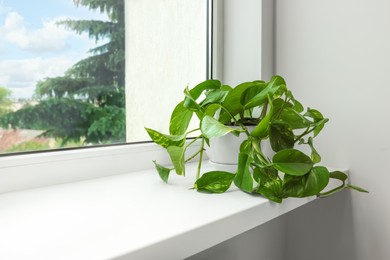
33 47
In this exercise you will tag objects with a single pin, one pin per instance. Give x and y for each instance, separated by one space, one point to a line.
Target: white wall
242 41
265 242
336 55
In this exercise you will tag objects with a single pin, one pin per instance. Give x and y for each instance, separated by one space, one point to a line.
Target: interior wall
265 242
248 55
335 56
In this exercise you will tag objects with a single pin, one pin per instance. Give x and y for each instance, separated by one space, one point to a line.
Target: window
72 77
32 170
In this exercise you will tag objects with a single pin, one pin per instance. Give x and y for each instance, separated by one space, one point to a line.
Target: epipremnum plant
275 116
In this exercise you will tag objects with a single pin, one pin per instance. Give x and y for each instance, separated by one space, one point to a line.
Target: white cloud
48 38
21 76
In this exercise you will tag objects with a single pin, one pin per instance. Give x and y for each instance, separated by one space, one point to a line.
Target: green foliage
33 145
88 102
277 117
5 101
214 182
39 145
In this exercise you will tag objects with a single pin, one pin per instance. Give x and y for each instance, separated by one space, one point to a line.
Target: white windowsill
127 216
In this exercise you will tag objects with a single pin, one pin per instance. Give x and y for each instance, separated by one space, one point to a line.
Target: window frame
34 170
44 168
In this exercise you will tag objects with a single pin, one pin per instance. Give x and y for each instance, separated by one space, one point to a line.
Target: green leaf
279 80
292 162
319 126
177 157
243 178
272 190
339 176
252 91
314 114
215 96
226 88
309 184
232 102
190 102
294 186
293 119
180 119
315 156
262 129
165 140
246 146
212 128
297 106
281 136
261 97
205 85
214 182
162 171
356 188
212 109
316 180
193 94
263 175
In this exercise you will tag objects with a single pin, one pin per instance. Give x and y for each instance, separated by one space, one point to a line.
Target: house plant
275 116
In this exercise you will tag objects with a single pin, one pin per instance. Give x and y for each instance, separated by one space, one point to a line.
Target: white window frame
26 171
32 170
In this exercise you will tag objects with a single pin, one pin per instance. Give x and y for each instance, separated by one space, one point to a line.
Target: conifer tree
88 101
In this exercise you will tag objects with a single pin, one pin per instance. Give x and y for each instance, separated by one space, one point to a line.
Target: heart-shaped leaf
212 128
243 178
177 157
292 162
316 180
293 119
272 190
215 96
315 156
162 171
232 102
262 129
166 140
280 136
214 182
180 119
205 85
262 96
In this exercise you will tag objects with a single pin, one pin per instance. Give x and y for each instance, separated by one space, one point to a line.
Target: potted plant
258 112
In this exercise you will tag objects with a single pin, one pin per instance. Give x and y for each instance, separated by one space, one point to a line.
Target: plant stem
193 141
200 159
307 131
227 111
277 113
331 192
192 157
245 130
264 110
188 145
189 132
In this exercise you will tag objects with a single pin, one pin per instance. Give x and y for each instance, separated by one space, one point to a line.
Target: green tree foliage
88 102
5 101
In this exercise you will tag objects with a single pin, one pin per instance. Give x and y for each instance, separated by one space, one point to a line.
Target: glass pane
62 80
166 51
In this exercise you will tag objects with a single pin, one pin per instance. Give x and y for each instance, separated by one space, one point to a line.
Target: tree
5 101
88 102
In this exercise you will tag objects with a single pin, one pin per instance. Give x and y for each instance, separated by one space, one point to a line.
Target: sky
33 47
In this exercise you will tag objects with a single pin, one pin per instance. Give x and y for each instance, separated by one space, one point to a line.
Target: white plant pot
223 151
